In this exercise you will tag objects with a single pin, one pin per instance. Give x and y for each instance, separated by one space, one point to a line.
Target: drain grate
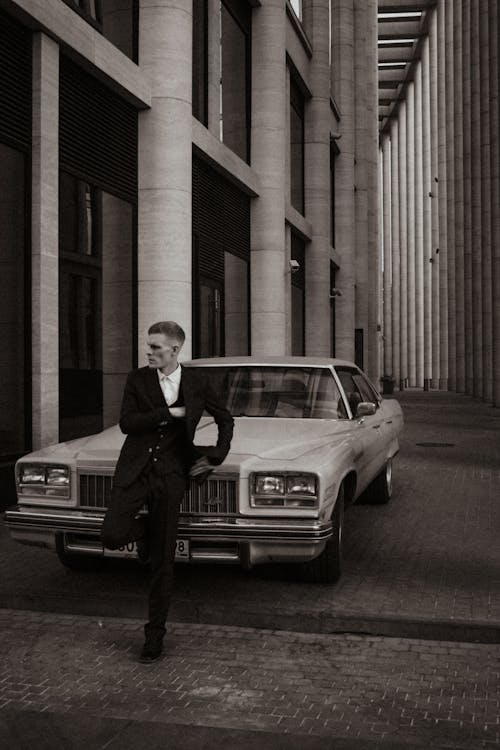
436 445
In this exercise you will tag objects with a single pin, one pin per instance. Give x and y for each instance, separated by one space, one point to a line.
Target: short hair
170 329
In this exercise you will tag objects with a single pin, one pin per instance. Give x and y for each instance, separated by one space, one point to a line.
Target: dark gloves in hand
200 470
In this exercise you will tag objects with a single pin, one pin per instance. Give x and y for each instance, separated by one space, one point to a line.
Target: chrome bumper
310 531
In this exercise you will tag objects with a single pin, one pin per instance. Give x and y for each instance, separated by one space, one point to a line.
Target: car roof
269 361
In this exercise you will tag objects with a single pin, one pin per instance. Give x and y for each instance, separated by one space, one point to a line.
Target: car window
351 390
281 392
367 392
356 387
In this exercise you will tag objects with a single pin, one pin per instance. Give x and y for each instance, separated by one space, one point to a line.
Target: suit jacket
144 410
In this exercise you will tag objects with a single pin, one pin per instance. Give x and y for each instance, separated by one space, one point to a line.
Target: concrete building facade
212 162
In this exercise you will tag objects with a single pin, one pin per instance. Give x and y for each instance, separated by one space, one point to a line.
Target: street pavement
402 652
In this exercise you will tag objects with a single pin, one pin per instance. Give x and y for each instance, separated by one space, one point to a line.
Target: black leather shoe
151 651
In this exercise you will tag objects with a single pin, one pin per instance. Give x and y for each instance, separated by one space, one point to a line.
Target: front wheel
326 568
380 490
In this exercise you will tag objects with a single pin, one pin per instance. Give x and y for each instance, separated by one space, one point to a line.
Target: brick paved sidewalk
351 691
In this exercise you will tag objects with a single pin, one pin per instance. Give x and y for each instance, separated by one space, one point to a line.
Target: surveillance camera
294 266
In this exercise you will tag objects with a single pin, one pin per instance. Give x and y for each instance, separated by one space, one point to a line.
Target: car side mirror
366 409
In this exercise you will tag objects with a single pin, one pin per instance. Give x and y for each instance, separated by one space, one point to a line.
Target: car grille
213 497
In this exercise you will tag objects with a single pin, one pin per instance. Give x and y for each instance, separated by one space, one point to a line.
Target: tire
380 490
86 563
326 568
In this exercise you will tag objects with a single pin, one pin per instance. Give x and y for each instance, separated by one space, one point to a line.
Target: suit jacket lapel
154 388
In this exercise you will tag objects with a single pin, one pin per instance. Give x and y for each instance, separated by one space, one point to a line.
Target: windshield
292 392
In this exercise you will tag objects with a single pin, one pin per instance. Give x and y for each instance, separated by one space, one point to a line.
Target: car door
368 430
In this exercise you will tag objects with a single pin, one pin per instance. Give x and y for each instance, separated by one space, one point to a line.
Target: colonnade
440 203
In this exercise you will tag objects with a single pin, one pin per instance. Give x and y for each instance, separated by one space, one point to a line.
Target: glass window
333 154
297 7
115 19
236 305
297 147
298 296
200 60
96 330
13 374
356 388
280 392
234 84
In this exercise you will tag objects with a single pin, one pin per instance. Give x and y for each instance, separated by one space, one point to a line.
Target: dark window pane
96 331
79 321
297 148
115 19
298 296
236 305
211 319
79 216
200 61
234 85
12 302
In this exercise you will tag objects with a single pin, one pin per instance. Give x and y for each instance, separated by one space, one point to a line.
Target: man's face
161 351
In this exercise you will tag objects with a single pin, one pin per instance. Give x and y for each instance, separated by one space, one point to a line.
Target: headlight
269 485
284 490
41 479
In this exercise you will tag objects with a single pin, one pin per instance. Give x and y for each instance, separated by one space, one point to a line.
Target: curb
299 621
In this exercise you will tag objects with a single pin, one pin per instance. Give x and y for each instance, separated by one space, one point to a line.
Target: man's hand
201 469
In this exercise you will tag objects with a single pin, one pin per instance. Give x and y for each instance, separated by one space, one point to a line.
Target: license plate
130 550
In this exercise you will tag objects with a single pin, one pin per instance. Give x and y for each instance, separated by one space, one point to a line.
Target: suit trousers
161 488
166 490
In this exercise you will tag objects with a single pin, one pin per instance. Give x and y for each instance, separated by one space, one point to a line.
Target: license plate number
130 550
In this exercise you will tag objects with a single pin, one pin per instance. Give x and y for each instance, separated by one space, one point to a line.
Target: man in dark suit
162 405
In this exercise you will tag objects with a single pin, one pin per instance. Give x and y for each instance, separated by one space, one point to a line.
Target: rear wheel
74 561
326 568
380 490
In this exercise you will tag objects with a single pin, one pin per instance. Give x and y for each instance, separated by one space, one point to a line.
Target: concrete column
44 242
165 168
410 224
434 187
450 192
214 66
495 197
374 264
477 290
465 168
486 297
459 199
270 279
316 21
403 243
427 214
419 231
396 254
386 200
443 201
343 87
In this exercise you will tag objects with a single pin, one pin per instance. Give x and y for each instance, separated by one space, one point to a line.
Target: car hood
272 438
275 438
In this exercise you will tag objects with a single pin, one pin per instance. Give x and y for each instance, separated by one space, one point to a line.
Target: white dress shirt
170 385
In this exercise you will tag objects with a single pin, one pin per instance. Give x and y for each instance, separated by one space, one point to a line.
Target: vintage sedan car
311 434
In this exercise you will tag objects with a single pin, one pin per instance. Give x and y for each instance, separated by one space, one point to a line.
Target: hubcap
388 477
